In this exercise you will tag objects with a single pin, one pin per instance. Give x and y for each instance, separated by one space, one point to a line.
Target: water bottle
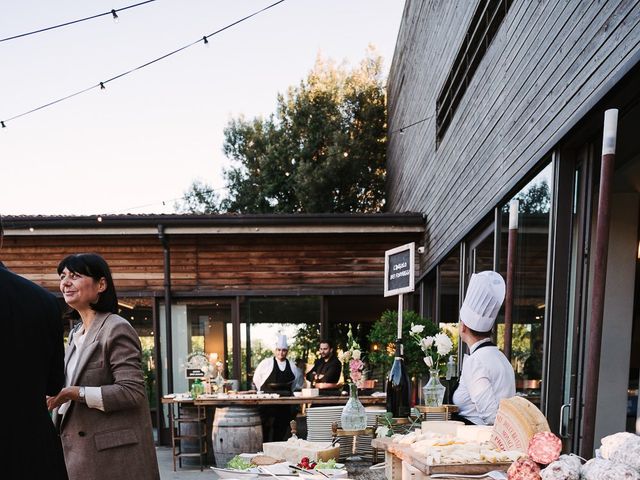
452 382
451 368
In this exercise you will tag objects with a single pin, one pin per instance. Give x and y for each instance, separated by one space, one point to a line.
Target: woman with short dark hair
103 412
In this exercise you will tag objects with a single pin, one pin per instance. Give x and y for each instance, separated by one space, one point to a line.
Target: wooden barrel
235 430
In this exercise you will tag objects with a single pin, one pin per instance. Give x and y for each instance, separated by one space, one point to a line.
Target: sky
136 146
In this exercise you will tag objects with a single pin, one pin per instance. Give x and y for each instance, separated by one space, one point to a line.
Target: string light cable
113 13
404 128
102 216
101 85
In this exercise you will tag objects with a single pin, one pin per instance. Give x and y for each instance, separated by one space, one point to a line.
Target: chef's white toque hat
483 300
282 342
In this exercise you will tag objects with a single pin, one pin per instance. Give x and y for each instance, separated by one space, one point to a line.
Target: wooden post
599 281
400 306
511 267
167 305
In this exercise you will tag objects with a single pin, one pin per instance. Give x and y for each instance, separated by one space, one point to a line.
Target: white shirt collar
477 344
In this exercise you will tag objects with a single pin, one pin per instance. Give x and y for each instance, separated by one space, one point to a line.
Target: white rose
443 343
356 354
417 328
426 343
346 356
428 361
382 431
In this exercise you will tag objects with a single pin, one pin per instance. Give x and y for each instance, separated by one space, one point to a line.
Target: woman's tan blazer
117 443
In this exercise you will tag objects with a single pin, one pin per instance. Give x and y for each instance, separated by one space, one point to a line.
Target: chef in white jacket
279 375
278 369
487 376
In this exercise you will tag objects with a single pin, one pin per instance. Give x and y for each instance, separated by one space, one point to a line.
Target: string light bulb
102 87
402 131
204 39
116 19
3 125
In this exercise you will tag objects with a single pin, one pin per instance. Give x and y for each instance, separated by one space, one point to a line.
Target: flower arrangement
434 347
353 356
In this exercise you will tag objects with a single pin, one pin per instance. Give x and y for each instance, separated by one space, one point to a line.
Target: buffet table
317 400
401 458
231 424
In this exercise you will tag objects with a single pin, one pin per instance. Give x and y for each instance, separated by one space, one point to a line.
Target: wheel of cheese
544 448
517 421
524 469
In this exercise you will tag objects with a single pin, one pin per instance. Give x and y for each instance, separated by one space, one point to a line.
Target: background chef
277 374
487 376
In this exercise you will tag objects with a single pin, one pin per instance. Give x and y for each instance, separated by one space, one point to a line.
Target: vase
433 391
354 416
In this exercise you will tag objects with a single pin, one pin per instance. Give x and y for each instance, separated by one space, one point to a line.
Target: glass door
568 297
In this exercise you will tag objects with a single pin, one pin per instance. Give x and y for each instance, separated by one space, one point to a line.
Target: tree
384 334
200 198
322 151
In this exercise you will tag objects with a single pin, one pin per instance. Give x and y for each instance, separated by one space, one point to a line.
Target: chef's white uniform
265 367
487 377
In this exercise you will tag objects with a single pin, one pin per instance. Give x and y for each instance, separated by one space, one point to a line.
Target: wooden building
233 281
491 101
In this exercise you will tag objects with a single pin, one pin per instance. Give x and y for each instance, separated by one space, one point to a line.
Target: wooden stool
337 433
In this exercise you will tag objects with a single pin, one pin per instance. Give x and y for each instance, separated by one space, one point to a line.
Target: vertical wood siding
548 60
217 263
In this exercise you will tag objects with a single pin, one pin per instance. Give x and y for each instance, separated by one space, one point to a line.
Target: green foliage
323 151
149 374
384 333
306 343
200 198
535 200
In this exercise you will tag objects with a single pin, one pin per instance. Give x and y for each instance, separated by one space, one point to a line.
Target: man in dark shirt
327 368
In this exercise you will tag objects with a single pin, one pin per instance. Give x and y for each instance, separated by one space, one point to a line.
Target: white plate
231 473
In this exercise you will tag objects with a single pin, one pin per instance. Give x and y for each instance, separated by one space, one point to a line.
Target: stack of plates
319 421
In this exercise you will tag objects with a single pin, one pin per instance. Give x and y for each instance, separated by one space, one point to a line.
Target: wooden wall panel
549 63
217 263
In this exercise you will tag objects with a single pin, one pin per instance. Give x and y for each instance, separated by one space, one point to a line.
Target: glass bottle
452 379
197 388
398 386
354 416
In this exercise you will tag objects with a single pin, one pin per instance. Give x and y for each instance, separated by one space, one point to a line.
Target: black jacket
330 369
33 367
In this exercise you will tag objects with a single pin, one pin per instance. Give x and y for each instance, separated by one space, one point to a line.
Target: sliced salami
544 448
524 469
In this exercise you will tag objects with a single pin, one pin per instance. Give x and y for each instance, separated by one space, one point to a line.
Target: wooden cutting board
405 453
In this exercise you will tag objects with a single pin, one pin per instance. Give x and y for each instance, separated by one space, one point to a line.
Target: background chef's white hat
282 342
483 300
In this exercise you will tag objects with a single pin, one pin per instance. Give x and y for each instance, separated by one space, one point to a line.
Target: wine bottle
398 386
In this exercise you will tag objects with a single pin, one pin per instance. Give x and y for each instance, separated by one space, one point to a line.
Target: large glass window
264 318
448 305
139 312
529 284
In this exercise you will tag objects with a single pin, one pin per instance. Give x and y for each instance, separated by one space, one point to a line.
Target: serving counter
318 400
234 421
